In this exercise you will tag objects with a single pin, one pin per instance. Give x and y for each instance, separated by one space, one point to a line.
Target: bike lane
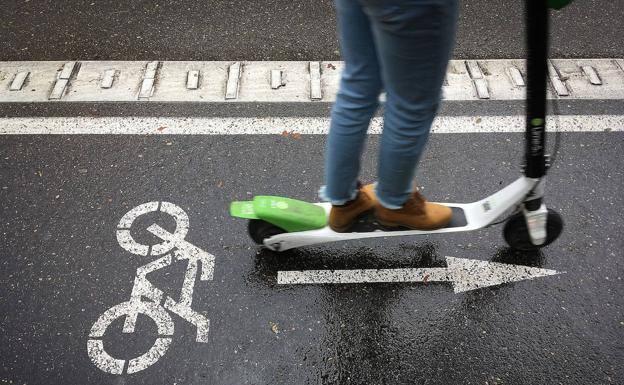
63 198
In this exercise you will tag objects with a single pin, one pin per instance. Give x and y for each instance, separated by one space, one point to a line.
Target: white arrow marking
465 274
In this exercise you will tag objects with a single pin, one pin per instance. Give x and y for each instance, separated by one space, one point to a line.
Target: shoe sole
345 229
399 226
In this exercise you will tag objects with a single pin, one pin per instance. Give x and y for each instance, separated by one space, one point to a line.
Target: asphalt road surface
62 267
271 30
67 281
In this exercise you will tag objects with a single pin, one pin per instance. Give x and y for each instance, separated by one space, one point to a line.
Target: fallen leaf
296 135
161 128
330 65
426 278
40 173
274 328
220 184
285 133
478 120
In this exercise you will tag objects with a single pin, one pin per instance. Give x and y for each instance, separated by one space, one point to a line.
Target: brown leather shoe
416 214
341 218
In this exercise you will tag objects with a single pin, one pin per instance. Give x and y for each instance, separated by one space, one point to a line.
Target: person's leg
414 40
356 103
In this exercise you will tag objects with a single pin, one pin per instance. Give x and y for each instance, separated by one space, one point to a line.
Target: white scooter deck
466 217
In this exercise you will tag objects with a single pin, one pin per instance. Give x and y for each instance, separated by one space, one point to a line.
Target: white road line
464 274
277 125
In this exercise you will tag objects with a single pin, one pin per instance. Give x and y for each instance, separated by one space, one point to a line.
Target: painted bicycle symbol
146 298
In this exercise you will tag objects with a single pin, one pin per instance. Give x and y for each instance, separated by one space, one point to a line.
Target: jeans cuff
384 202
337 202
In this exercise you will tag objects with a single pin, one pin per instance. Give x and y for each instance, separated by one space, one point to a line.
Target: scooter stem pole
536 14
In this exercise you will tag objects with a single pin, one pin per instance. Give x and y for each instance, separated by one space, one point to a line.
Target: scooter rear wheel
259 230
516 232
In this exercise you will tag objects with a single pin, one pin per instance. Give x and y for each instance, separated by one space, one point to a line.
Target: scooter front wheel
260 230
516 232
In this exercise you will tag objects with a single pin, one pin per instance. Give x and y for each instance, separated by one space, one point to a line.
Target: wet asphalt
271 30
61 267
62 196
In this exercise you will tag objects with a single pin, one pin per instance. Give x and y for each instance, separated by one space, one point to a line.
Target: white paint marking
150 357
108 78
516 76
128 219
59 89
68 70
234 74
316 92
362 276
619 63
592 75
150 70
147 88
482 88
192 80
18 81
277 125
163 321
126 241
149 79
473 69
465 274
146 298
480 84
103 360
106 362
555 80
62 80
277 79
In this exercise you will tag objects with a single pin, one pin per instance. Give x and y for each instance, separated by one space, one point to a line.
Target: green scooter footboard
289 214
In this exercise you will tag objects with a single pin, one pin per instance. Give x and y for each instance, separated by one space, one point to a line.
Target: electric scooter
281 223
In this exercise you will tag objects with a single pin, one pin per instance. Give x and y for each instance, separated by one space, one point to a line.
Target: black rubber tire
259 230
517 236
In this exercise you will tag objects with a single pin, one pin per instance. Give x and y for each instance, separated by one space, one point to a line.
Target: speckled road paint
279 125
464 274
173 247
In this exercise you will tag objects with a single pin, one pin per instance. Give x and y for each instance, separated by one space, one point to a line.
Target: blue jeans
402 47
